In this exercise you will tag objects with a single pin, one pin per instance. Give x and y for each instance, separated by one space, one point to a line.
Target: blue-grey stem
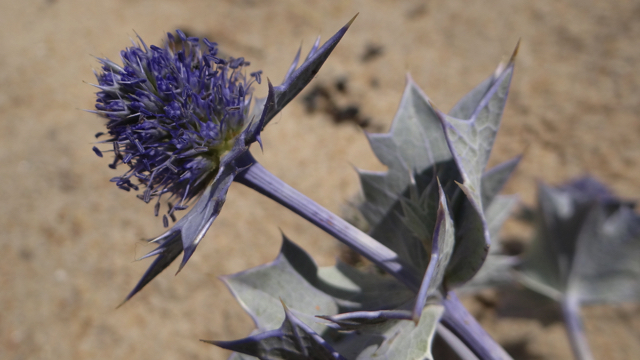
455 343
456 318
264 182
575 329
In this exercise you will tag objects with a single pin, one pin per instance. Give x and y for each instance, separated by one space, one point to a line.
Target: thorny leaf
585 250
359 320
407 208
441 250
294 340
470 142
298 77
422 145
295 278
310 292
191 228
394 339
187 233
587 245
260 290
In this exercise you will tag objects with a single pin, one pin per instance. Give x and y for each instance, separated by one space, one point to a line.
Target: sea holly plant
585 251
365 314
180 119
497 268
423 216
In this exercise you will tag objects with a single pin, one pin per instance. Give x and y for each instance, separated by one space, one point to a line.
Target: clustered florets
172 113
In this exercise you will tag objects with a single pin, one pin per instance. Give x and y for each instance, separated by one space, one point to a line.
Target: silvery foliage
586 246
435 207
586 250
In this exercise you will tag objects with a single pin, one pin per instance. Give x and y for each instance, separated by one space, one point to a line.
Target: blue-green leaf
470 141
394 339
294 340
423 144
441 249
289 278
587 245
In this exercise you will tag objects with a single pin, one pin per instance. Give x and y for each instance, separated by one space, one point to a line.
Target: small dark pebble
371 52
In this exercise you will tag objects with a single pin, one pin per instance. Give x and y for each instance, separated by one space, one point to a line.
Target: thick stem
455 343
261 180
575 329
456 318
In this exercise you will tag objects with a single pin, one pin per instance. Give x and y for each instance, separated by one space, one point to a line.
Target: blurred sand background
68 237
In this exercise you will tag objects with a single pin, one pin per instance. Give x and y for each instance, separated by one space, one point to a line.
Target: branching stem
456 318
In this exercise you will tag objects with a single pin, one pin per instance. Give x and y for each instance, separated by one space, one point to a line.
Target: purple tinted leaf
585 250
606 265
588 189
264 182
471 140
188 230
393 339
297 79
187 233
293 66
294 277
359 319
294 340
170 248
255 128
547 262
441 249
195 224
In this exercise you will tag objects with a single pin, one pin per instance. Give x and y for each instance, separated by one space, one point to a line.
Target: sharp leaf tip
123 302
515 52
352 20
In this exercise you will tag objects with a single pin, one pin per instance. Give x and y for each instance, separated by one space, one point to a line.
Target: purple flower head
172 113
179 118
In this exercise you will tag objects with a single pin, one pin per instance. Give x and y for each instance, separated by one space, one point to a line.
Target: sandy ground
68 237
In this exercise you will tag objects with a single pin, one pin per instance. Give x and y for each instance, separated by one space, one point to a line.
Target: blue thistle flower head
179 118
172 113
